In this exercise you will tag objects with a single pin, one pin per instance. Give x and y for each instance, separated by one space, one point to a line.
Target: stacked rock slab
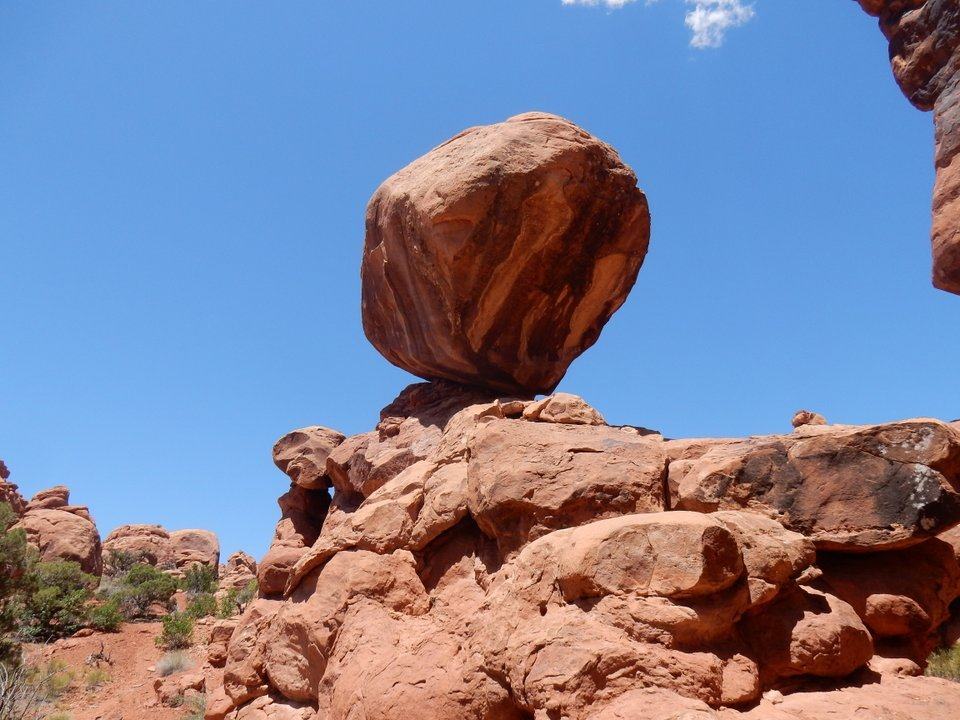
482 558
924 40
61 531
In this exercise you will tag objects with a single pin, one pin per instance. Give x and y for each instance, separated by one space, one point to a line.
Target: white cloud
708 20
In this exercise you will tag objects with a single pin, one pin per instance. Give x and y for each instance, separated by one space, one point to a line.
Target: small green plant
54 678
199 579
173 662
95 677
203 605
177 632
196 708
105 617
945 663
235 600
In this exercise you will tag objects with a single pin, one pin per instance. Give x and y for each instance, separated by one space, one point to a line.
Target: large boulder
925 55
497 258
193 547
148 544
302 455
62 532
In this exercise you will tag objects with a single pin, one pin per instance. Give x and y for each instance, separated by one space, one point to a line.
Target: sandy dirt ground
128 694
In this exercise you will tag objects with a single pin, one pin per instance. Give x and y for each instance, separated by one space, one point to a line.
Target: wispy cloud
708 20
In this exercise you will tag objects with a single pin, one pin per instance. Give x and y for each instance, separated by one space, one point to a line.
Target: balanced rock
497 258
924 40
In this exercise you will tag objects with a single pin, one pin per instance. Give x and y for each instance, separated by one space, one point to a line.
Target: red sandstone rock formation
61 531
154 545
491 558
925 55
497 258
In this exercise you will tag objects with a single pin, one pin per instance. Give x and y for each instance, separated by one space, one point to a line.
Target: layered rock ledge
492 558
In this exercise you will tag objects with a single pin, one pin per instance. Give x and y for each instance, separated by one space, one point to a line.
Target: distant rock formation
60 531
154 545
924 40
499 559
497 258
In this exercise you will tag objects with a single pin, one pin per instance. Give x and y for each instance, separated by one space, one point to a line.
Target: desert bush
177 632
14 565
55 603
235 600
105 616
142 586
945 663
199 579
173 662
120 562
95 677
196 708
203 605
21 695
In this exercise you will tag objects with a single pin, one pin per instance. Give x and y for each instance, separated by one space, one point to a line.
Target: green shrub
235 600
173 662
56 602
177 632
203 605
945 663
196 708
199 579
95 677
14 565
120 562
141 587
105 617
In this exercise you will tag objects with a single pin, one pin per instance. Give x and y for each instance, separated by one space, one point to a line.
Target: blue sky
182 188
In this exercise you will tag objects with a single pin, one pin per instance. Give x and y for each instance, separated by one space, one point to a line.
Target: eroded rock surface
493 558
60 531
924 40
497 258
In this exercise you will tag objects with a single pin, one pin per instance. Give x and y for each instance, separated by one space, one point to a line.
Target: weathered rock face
497 258
61 531
847 488
925 54
500 559
9 493
154 545
191 547
303 454
143 543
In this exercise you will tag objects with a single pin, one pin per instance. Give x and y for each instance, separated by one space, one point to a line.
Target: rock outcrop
492 558
9 493
924 40
154 545
497 258
60 531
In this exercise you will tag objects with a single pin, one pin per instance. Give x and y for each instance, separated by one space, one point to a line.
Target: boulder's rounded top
496 259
